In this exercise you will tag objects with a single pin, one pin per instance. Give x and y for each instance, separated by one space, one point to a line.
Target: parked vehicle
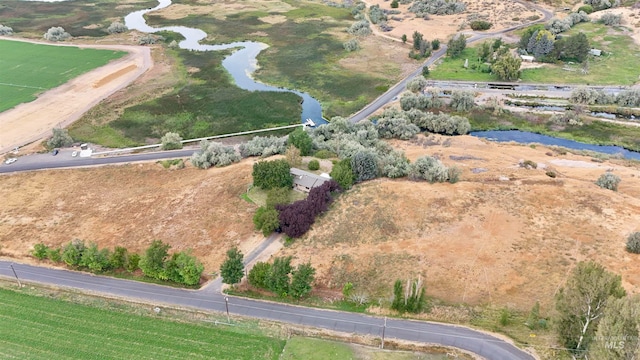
11 161
55 152
74 154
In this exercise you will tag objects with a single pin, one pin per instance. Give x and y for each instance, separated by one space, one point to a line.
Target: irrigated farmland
28 69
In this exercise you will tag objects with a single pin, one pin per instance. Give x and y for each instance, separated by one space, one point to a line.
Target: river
240 64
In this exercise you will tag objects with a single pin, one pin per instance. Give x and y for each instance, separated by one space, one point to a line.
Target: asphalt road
476 342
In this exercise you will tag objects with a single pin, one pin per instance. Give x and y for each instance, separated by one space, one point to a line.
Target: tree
232 269
293 156
428 168
484 51
133 262
152 263
259 275
301 279
364 165
404 38
417 84
618 331
342 173
60 138
609 181
507 67
581 303
56 33
435 44
95 259
266 219
301 139
171 141
118 258
417 39
278 278
263 146
462 100
575 47
188 268
272 174
456 46
541 43
72 252
394 4
425 71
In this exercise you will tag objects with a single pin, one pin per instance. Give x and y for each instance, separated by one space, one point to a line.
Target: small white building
527 58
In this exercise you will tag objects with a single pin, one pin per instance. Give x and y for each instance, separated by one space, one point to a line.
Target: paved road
479 343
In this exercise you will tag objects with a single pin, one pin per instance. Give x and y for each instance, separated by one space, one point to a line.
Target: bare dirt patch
273 19
630 20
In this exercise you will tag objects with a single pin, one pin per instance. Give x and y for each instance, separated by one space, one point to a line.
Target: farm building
305 181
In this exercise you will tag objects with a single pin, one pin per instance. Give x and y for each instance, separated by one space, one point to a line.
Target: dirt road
61 106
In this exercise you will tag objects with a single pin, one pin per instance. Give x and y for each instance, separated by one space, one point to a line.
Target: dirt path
61 106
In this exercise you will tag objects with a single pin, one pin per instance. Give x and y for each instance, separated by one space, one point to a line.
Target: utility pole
383 328
16 275
226 302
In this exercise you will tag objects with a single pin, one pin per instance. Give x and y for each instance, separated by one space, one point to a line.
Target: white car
74 154
11 161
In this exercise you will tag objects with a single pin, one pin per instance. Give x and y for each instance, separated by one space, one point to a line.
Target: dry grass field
482 240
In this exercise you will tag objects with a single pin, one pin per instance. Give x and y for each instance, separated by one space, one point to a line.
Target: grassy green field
42 328
618 67
28 69
299 348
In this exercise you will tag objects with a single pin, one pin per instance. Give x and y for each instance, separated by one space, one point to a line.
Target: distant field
43 328
29 69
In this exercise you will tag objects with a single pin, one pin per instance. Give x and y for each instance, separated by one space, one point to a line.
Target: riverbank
592 131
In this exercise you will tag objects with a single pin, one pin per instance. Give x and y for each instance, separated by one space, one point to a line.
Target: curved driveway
473 341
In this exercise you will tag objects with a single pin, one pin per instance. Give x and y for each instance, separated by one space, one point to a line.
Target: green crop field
29 69
42 328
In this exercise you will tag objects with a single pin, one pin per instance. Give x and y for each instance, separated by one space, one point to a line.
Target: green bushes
633 243
272 174
314 165
283 279
430 169
412 299
60 138
181 267
587 9
479 25
171 141
263 146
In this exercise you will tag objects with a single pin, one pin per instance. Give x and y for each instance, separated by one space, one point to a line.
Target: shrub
394 4
435 44
171 141
314 165
278 196
214 154
587 9
436 7
95 259
325 154
55 255
5 30
551 174
453 174
342 174
412 299
60 138
479 25
292 156
376 14
360 28
628 98
364 166
610 19
301 278
56 34
296 218
351 45
529 164
117 27
609 181
266 220
148 40
633 243
456 45
133 262
602 4
393 164
152 263
40 251
396 127
263 146
118 258
188 269
428 168
417 84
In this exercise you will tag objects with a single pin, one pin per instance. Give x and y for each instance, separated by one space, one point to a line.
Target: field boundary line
23 86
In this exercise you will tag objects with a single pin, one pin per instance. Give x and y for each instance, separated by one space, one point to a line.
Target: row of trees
589 96
280 277
181 267
423 8
545 46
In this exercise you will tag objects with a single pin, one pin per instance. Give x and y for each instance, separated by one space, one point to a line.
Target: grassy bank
591 132
29 69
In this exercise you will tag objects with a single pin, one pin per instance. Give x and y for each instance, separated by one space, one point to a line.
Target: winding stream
241 64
